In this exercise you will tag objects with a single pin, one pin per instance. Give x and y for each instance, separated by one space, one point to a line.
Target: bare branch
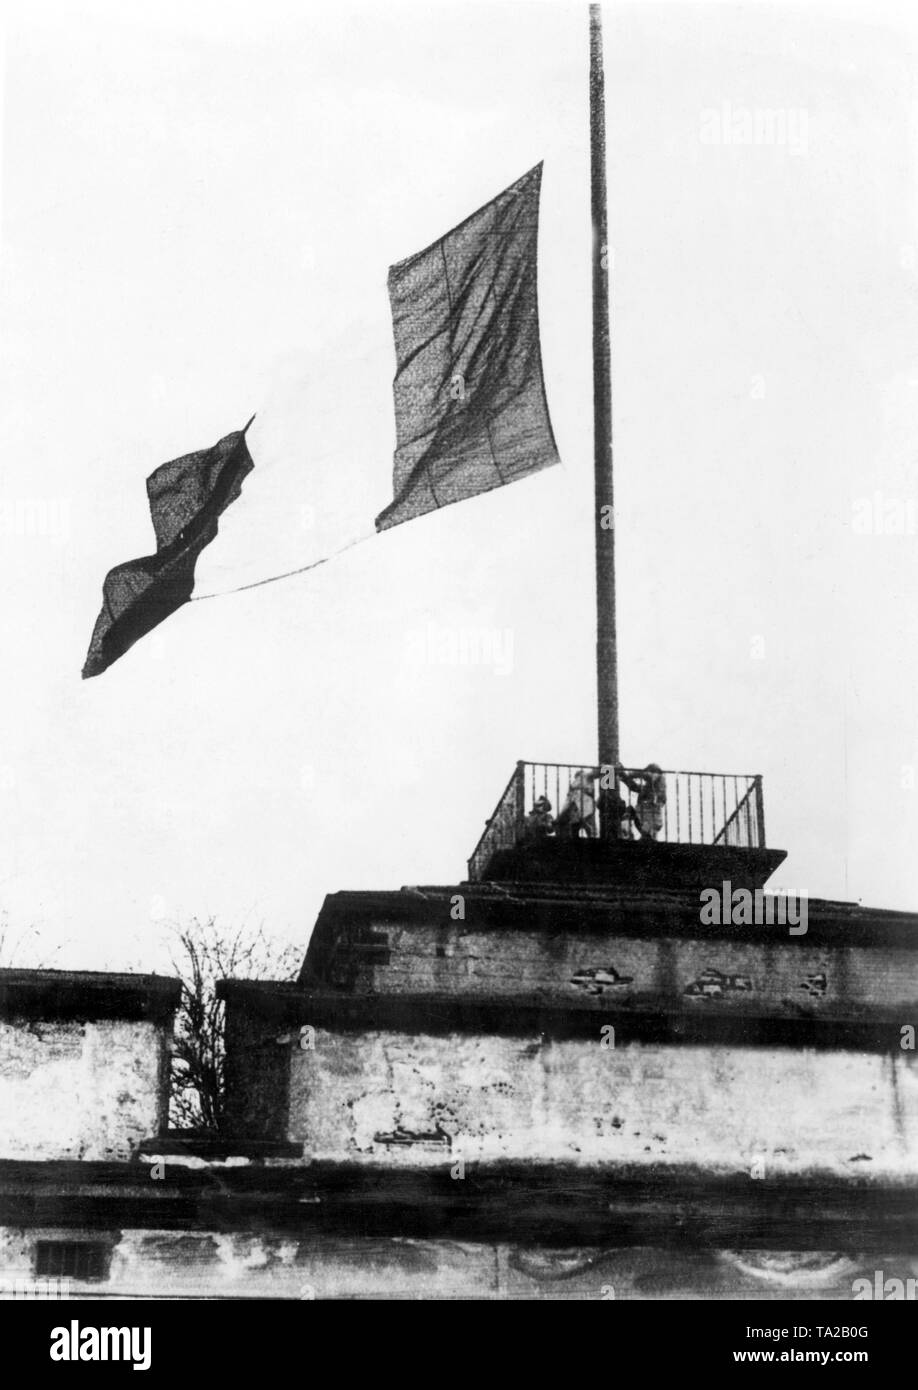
202 952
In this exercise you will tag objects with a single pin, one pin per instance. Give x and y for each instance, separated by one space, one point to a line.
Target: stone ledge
546 1204
655 1018
215 1149
85 994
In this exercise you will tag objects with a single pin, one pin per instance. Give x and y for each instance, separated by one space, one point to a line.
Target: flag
470 407
187 497
470 415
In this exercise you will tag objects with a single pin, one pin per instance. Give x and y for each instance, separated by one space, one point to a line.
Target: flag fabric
187 497
470 406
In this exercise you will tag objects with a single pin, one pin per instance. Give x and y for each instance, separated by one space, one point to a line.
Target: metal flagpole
606 651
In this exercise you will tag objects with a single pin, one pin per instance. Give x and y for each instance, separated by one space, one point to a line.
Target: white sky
199 205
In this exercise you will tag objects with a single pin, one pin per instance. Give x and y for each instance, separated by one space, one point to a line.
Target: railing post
520 798
760 812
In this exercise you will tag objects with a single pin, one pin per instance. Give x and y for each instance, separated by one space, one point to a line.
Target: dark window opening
83 1260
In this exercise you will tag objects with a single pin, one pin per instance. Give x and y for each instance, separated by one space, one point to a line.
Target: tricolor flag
470 411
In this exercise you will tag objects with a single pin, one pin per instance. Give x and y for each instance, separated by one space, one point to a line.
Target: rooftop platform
638 827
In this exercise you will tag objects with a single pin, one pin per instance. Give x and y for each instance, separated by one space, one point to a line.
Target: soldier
579 810
650 786
539 824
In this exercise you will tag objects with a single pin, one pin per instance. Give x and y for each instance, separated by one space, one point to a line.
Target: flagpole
606 649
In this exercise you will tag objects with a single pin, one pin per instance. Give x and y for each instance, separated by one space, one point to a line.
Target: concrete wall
153 1263
78 1089
257 1074
403 1099
786 975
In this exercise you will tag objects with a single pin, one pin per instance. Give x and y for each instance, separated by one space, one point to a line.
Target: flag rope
288 574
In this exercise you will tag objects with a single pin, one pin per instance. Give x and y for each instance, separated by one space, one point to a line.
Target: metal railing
746 826
552 801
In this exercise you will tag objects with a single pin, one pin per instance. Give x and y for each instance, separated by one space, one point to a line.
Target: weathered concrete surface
150 1264
257 1074
77 1089
413 1099
784 976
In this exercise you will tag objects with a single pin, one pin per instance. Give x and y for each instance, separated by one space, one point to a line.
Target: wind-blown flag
470 407
470 415
186 497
